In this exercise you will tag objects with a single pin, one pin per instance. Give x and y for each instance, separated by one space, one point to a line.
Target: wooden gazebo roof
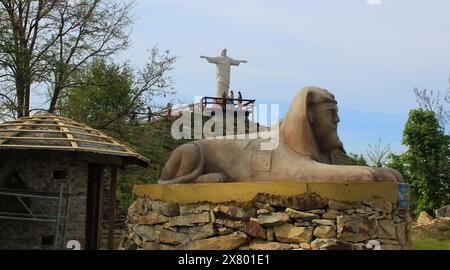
57 133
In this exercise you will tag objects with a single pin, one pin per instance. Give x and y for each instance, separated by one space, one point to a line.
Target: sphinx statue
307 151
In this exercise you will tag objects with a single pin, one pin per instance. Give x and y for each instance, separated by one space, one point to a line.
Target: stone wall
269 221
37 172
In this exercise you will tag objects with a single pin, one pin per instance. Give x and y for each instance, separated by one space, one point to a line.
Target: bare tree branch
153 80
44 39
432 101
99 29
378 154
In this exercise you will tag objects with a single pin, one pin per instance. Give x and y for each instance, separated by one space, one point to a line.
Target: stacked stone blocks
268 222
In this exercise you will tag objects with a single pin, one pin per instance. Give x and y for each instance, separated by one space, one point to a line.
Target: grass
432 237
431 244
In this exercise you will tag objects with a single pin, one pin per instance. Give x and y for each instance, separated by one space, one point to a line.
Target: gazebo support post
112 207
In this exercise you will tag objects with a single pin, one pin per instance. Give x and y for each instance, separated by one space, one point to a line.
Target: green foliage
350 159
430 244
358 160
50 41
426 164
398 163
105 93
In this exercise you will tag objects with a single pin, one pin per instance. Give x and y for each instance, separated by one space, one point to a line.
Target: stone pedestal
267 216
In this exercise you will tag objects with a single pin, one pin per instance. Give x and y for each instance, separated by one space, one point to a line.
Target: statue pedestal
268 216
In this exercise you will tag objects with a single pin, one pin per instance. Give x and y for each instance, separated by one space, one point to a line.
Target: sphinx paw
385 175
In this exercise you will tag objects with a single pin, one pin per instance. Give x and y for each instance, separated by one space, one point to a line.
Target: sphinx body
306 152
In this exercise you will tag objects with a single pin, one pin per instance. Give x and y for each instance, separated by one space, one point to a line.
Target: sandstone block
325 222
164 208
386 229
424 219
251 228
189 220
263 245
355 228
324 232
294 214
235 212
172 238
152 218
330 244
225 242
273 219
288 233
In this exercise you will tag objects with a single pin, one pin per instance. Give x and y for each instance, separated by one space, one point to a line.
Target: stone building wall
37 173
267 222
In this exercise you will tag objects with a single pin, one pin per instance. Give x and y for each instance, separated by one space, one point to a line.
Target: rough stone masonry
268 222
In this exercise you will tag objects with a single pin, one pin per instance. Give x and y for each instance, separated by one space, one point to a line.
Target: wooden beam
112 207
55 132
43 121
19 128
61 139
8 124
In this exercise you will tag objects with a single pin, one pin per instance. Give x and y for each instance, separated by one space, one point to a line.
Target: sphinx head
323 118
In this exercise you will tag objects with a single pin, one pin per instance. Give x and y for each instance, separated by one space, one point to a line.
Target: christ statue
223 63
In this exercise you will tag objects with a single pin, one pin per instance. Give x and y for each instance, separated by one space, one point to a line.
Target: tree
433 102
8 107
106 91
40 38
378 154
86 29
22 25
107 94
149 83
426 164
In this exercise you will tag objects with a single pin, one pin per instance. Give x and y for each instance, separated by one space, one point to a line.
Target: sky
369 53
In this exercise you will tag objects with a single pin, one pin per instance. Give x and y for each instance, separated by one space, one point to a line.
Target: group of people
231 99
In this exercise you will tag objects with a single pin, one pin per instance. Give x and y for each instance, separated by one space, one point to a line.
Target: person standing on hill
224 101
239 101
169 111
232 97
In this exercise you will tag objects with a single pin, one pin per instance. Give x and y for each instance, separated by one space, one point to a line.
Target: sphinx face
324 122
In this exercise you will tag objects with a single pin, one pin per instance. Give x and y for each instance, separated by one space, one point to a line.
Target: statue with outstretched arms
223 63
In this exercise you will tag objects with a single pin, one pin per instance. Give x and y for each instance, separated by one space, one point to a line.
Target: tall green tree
47 41
105 92
426 163
108 94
